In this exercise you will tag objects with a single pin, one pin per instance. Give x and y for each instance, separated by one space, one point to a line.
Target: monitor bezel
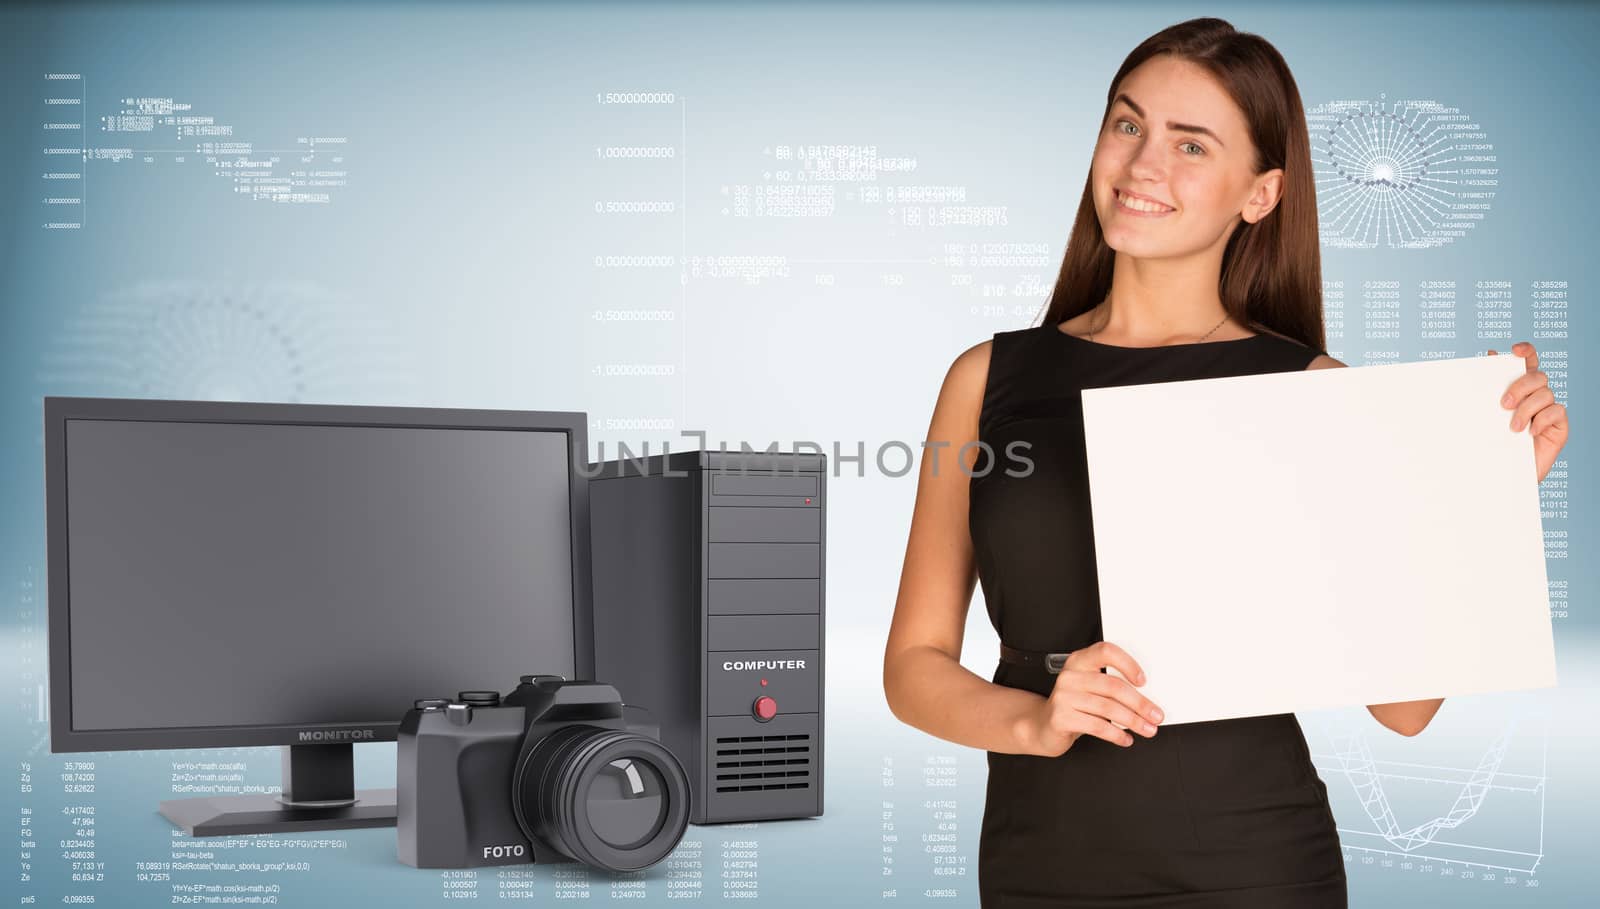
58 410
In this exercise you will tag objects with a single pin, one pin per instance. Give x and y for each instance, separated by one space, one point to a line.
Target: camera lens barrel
613 799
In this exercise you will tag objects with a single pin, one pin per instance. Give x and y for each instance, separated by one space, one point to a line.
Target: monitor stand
319 793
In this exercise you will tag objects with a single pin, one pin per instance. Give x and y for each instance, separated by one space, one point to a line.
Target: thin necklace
1202 337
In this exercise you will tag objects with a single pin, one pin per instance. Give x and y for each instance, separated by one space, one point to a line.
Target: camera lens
626 803
612 799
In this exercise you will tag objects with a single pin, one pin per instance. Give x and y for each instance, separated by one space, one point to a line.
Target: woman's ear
1268 189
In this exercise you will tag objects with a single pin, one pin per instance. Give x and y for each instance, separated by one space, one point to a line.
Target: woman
1194 255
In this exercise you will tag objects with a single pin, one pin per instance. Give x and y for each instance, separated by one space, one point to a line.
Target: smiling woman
1194 254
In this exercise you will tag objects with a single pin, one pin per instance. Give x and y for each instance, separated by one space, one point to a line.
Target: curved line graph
1504 805
1355 759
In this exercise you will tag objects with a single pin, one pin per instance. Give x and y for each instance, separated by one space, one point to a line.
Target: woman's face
1175 137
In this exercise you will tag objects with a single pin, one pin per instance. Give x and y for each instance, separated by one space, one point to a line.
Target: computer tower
708 611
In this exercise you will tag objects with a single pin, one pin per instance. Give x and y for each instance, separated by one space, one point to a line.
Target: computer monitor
240 574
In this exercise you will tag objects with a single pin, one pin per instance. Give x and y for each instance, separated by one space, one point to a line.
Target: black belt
1052 663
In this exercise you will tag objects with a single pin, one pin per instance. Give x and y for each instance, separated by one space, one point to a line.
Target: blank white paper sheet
1293 541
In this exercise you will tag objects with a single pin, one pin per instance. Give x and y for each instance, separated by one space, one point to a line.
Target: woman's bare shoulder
965 382
974 359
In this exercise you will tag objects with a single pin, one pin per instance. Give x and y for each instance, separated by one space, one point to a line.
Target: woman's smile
1135 206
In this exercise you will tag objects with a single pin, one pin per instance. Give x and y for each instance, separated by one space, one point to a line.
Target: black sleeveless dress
1228 813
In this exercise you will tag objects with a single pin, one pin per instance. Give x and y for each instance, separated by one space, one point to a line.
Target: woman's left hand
1534 408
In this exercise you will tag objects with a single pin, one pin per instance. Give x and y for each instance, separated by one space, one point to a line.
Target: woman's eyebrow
1181 127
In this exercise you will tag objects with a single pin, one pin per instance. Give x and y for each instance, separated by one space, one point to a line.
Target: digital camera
555 771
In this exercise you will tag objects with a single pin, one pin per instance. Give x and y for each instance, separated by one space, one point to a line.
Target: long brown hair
1272 269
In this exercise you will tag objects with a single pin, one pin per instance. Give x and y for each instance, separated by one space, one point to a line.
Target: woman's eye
1200 150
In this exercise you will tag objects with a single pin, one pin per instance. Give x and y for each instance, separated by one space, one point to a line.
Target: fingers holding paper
1534 407
1085 701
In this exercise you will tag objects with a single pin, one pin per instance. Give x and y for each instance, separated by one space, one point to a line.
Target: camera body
556 771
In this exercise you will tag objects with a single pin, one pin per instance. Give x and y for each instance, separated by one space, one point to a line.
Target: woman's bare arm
1406 717
923 679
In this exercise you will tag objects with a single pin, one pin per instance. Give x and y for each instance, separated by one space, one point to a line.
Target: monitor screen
265 574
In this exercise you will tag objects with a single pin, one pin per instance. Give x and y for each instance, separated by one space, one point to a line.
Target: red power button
764 708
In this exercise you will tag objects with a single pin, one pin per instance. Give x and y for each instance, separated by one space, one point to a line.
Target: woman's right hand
1086 701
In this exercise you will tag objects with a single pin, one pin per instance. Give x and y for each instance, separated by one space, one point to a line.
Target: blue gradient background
457 269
